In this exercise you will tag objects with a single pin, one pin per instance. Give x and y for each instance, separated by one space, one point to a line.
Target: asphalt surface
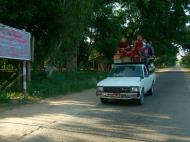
80 117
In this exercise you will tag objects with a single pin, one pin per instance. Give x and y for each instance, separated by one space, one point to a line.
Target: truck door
147 81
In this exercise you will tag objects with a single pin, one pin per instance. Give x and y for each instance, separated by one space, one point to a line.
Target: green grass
7 96
58 84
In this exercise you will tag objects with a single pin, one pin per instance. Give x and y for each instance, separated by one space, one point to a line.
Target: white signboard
14 43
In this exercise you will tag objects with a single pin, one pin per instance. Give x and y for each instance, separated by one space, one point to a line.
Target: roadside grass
8 96
58 84
185 66
63 83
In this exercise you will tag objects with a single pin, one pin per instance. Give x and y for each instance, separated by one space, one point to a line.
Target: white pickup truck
130 81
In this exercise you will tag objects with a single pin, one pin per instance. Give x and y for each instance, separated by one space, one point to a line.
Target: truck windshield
127 71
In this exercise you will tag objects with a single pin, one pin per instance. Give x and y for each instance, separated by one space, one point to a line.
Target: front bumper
120 96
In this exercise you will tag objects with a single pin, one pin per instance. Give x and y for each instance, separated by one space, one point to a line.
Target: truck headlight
100 88
134 89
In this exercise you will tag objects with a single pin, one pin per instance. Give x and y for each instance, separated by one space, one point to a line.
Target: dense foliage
70 32
185 62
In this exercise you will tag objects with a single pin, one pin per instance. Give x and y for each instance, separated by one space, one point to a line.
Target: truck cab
127 81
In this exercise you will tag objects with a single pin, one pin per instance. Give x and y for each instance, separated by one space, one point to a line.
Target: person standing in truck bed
137 51
124 47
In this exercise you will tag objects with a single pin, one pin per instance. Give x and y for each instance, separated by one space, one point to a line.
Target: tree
186 61
163 22
74 29
61 28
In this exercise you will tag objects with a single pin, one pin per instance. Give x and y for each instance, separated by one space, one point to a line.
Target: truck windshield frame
127 71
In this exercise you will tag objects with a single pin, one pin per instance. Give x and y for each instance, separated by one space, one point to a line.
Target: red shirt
124 45
139 45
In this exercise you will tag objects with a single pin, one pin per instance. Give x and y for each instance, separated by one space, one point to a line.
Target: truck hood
120 81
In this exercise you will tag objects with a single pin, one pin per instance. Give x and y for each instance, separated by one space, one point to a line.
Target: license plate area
120 95
115 95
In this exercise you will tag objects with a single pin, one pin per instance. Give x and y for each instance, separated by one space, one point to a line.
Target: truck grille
117 89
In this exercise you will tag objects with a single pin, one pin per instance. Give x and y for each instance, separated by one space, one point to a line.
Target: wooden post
32 59
32 48
19 73
28 71
24 79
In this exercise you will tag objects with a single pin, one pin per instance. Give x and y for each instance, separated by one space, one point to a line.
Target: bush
185 62
6 97
58 84
62 83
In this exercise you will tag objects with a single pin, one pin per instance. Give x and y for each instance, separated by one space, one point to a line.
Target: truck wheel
104 100
151 91
141 100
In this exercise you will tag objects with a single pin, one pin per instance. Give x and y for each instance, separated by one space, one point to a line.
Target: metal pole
24 79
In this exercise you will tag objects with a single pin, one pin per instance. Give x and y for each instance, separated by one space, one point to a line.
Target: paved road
80 117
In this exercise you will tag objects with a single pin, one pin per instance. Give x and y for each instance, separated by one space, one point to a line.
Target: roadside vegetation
62 83
185 62
58 84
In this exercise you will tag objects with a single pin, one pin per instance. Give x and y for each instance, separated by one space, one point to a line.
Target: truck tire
104 100
151 91
140 101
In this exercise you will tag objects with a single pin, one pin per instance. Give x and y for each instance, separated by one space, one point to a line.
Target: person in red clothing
139 43
123 47
137 49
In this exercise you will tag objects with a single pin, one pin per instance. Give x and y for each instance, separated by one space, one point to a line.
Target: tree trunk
71 60
71 65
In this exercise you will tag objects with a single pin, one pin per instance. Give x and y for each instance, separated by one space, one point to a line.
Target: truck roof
131 63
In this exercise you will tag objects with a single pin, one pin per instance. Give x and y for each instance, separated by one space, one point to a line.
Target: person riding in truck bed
142 50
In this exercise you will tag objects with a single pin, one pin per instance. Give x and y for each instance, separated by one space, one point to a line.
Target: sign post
15 44
24 79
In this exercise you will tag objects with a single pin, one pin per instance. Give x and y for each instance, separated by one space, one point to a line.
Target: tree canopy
69 32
